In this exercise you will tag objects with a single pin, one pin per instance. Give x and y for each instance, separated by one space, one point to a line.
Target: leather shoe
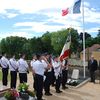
58 91
48 94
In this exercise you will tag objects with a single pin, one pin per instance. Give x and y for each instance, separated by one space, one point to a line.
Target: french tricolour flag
75 9
66 48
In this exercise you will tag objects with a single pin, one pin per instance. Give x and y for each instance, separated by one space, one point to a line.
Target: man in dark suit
92 66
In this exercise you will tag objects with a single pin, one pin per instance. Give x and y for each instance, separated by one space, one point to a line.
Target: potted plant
11 94
23 87
24 91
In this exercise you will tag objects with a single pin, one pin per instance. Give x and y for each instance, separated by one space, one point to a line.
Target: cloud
31 6
39 16
20 34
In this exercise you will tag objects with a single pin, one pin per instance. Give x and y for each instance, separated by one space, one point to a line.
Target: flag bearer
48 74
58 73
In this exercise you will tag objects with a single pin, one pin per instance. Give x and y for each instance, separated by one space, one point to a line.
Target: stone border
81 84
3 91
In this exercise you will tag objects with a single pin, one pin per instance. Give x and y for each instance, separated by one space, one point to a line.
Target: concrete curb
81 84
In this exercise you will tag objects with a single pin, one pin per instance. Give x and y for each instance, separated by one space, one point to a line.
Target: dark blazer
92 66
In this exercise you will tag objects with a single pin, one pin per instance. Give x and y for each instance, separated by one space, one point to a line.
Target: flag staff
83 39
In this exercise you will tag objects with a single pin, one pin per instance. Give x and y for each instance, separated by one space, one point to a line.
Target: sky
29 18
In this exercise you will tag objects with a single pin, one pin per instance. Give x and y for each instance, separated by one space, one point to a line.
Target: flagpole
83 39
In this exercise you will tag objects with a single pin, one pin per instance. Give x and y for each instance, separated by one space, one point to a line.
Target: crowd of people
46 71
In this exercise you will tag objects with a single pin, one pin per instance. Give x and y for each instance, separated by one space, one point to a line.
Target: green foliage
31 93
58 39
51 42
23 87
12 45
11 95
46 40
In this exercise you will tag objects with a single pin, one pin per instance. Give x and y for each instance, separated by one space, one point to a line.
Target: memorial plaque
75 74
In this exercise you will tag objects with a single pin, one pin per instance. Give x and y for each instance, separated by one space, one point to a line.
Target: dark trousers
53 77
23 77
92 75
58 83
38 81
64 77
34 84
47 82
4 76
13 79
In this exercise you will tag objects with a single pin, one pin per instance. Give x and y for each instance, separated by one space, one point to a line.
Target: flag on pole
65 12
66 49
75 9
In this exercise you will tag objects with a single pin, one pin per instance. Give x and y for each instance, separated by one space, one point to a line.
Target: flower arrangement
73 82
23 87
24 91
11 94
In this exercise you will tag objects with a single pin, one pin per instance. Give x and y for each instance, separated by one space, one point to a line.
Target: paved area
89 91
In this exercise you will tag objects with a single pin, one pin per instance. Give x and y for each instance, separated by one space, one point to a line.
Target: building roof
95 47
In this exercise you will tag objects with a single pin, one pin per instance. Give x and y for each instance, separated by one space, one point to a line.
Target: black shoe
58 91
48 94
40 99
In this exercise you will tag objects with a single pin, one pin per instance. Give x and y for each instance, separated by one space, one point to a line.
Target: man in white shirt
23 69
33 59
38 69
48 74
31 64
58 71
13 67
4 65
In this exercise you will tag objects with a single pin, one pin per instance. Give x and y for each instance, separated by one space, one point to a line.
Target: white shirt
45 64
13 64
22 66
4 62
32 61
39 67
57 68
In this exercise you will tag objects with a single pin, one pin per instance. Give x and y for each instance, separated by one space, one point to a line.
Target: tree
46 40
87 35
12 45
36 45
98 33
58 39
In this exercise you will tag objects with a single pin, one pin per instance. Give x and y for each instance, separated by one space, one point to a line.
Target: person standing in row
38 69
34 58
4 64
13 67
92 66
64 73
23 68
58 71
48 74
